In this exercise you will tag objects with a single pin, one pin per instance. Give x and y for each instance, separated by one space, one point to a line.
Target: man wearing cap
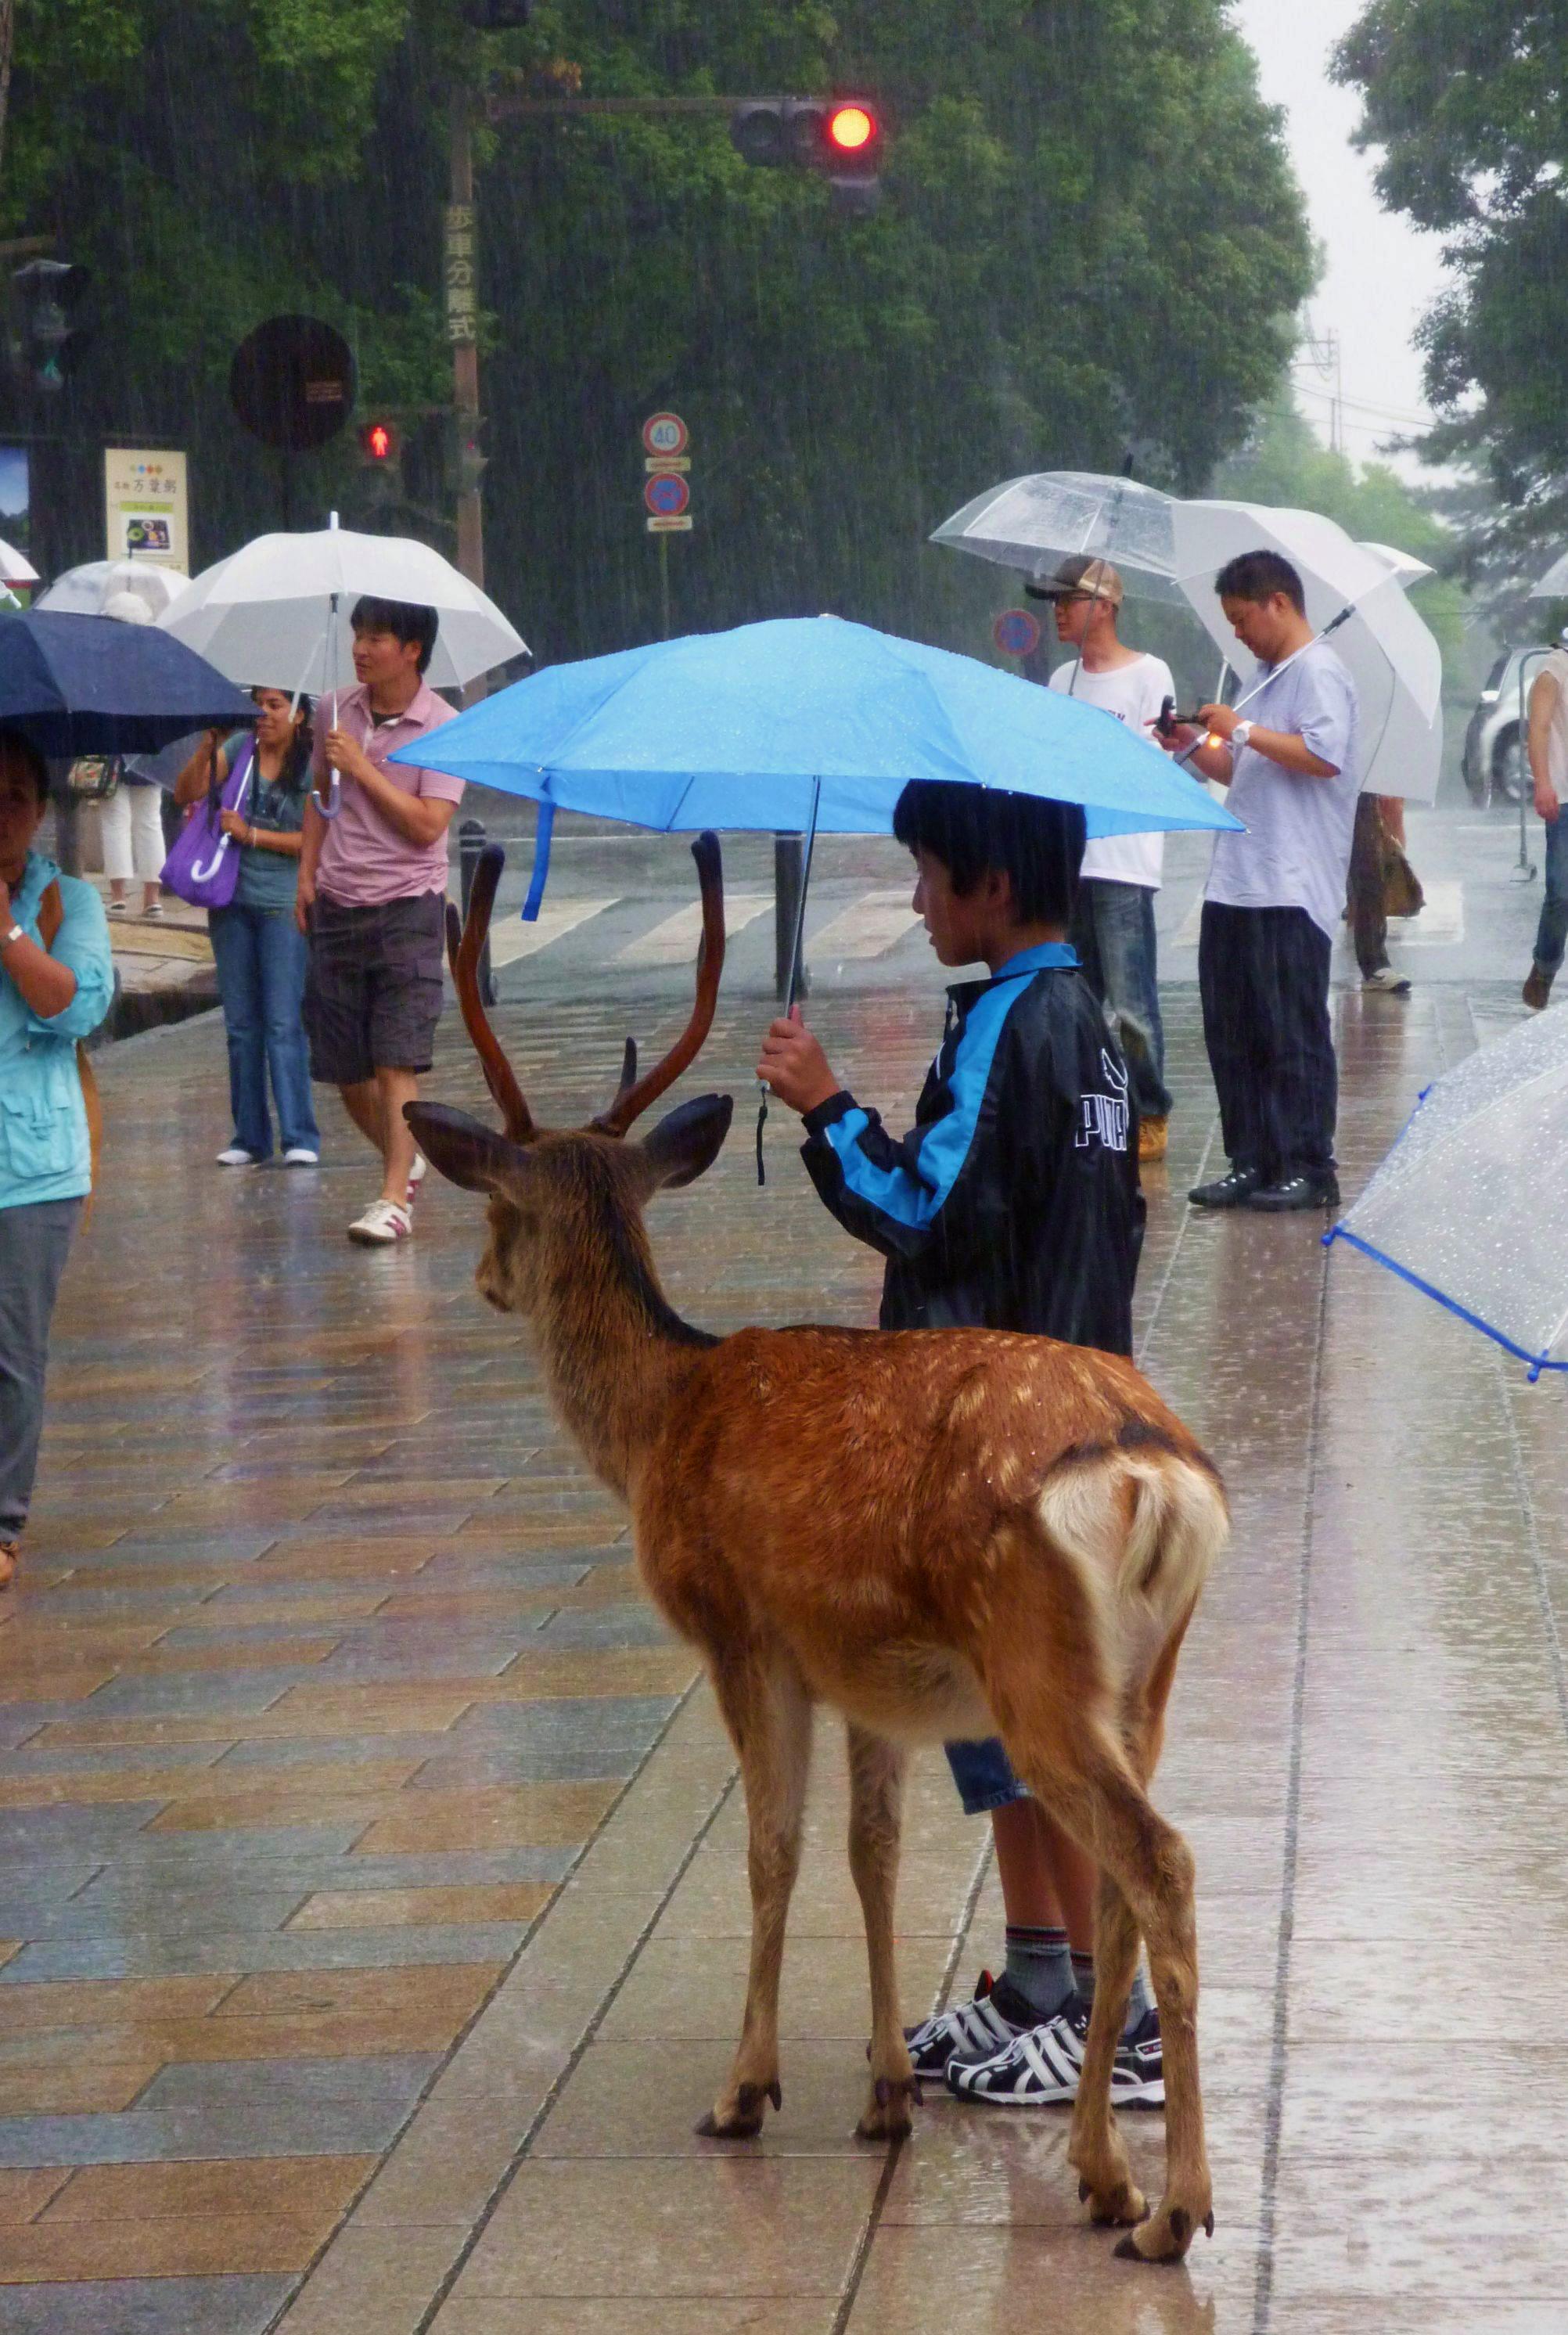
1113 927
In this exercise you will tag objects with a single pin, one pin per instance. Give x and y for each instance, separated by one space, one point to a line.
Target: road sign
1016 632
665 433
668 526
666 494
292 382
668 463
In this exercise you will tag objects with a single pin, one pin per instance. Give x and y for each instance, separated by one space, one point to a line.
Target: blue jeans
1553 930
1113 931
261 962
984 1775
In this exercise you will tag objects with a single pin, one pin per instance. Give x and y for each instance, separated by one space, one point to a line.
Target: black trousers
1263 978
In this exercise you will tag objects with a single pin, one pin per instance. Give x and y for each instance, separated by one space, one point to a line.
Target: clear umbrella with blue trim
1465 1207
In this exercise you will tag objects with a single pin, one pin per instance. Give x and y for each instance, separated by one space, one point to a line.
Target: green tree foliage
1468 102
1076 190
1285 463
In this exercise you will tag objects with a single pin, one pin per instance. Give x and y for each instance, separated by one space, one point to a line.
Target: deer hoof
743 2121
1163 2237
1120 2204
888 2117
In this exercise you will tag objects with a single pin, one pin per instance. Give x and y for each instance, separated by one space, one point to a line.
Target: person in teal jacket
50 998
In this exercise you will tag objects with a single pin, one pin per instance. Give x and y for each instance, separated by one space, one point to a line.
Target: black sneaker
998 2012
1228 1191
1137 2078
1295 1192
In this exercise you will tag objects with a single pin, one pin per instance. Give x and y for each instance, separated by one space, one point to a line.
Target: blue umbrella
805 723
802 722
92 686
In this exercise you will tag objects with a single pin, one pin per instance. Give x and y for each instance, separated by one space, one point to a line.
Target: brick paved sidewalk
373 1896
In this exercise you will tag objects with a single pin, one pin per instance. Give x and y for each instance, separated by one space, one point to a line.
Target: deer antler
636 1093
465 941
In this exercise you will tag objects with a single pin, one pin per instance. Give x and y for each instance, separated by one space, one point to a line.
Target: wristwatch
1240 734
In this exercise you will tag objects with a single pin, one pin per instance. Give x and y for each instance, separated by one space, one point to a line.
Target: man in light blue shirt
56 982
1275 895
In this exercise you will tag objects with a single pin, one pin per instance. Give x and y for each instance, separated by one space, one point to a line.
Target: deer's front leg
768 1717
875 1811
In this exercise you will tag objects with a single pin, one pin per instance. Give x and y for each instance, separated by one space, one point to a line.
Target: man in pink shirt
371 901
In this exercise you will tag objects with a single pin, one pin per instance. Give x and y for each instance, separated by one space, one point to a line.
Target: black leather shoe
1230 1191
1295 1192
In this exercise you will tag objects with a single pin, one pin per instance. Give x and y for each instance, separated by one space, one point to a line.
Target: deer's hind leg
876 1771
768 1712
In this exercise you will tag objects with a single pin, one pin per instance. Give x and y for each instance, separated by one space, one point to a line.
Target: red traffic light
851 129
378 441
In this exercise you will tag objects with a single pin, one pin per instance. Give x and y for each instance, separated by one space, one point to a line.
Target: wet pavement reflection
372 1922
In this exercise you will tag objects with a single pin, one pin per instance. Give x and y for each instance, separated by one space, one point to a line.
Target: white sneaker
382 1225
301 1158
238 1157
1392 983
417 1174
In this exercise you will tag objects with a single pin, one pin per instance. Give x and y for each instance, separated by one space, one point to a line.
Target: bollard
788 878
470 843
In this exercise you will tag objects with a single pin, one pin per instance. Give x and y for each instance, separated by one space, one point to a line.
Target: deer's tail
1144 1525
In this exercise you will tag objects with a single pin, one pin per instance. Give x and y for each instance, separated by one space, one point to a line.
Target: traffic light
380 444
842 137
49 295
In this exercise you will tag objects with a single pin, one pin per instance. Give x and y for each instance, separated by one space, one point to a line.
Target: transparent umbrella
1464 1205
1554 584
1035 522
84 591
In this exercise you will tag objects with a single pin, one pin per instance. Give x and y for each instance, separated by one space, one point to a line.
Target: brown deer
941 1534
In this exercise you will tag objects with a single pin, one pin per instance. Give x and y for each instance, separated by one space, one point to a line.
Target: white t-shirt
1296 850
1133 694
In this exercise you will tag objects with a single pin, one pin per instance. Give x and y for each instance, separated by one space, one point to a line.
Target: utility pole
461 265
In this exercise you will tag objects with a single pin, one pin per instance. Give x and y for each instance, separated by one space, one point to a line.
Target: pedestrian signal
378 441
50 293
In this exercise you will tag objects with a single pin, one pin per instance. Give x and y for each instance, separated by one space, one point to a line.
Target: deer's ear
687 1140
466 1153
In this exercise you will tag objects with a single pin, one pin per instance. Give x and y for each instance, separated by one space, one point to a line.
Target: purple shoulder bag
203 865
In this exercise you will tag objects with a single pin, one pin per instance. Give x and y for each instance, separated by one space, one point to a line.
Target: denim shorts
984 1775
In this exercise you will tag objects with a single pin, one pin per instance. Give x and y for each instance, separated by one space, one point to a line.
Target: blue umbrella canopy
802 722
92 686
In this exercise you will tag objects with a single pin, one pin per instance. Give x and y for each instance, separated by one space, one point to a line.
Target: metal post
788 882
664 586
470 843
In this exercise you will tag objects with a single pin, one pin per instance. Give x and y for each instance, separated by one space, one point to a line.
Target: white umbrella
1406 568
15 567
1035 522
1554 584
84 591
268 615
1393 659
1462 1205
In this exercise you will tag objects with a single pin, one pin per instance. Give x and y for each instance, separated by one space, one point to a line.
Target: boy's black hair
17 743
1038 845
1258 576
400 617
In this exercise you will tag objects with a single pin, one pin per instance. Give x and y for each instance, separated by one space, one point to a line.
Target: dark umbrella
91 685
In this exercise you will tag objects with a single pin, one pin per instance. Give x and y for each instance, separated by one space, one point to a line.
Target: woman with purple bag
238 857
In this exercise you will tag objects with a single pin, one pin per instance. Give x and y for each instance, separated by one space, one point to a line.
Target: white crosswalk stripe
674 942
513 939
876 923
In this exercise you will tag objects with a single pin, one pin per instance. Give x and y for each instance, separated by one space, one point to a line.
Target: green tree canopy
1467 100
1075 191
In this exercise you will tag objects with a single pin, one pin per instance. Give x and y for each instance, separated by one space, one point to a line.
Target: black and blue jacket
1013 1204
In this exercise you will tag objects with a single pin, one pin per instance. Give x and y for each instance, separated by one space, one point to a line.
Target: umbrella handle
794 981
